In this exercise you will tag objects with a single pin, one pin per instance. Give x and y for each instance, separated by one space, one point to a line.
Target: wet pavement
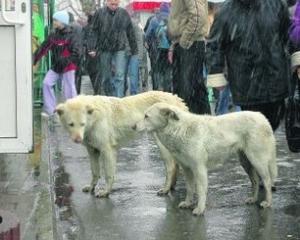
45 193
134 211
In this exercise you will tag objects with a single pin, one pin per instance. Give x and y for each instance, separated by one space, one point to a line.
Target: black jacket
65 50
251 37
89 38
112 28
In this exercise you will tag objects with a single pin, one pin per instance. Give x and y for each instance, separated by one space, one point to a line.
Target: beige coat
188 21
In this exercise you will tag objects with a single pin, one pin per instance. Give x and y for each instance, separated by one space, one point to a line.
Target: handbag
292 117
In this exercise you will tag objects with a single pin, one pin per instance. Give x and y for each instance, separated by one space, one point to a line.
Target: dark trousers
91 69
162 74
188 80
273 111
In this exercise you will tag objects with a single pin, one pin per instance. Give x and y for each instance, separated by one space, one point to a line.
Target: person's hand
220 88
170 56
92 54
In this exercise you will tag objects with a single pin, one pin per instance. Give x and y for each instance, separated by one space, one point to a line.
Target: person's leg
166 71
223 101
49 99
103 74
119 78
188 77
68 84
133 70
126 75
91 68
160 70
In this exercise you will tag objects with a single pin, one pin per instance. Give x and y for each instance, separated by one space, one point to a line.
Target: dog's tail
273 167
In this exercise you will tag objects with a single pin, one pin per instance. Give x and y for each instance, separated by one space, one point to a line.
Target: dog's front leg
109 157
170 168
189 178
200 175
94 155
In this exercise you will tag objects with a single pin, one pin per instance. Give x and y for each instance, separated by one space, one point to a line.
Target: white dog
104 124
199 142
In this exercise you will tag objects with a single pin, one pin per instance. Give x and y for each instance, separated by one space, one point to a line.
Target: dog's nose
134 127
78 139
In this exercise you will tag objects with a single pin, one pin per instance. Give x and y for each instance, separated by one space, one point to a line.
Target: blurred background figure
78 34
65 52
113 28
89 45
134 61
187 29
155 45
224 102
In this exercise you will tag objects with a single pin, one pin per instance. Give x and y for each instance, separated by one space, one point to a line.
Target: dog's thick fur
104 124
199 142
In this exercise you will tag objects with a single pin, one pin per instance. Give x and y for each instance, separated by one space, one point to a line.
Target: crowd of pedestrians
246 50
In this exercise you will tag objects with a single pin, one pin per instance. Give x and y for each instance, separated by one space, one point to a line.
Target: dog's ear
169 113
89 109
59 109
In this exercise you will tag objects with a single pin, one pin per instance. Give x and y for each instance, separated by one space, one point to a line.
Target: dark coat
251 37
112 28
65 50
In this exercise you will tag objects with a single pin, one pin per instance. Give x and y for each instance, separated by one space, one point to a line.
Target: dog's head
75 116
157 117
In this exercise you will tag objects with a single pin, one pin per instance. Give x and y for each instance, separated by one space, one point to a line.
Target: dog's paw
101 194
185 204
162 192
198 211
88 188
251 200
265 204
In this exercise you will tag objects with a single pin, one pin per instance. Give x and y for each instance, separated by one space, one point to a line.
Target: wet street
134 211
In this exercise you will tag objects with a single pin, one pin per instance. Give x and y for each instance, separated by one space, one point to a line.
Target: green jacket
38 27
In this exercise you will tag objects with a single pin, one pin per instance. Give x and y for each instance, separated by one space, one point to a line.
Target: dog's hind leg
254 178
94 155
259 161
190 186
170 167
109 157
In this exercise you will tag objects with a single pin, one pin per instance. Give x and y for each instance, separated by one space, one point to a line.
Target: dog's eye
71 124
146 116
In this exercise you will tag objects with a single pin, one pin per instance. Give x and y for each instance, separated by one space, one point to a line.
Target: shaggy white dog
104 124
200 142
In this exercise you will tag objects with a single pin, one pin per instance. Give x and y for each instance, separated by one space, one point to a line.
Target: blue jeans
133 74
223 102
112 67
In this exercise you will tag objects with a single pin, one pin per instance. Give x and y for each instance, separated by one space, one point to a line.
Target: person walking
152 41
223 94
89 45
113 27
163 74
187 28
252 35
65 53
